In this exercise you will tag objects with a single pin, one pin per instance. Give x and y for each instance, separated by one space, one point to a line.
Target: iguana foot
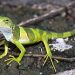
46 58
12 58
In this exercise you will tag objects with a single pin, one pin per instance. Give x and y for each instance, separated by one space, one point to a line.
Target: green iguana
21 35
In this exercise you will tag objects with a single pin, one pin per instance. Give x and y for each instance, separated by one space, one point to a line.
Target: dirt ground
21 10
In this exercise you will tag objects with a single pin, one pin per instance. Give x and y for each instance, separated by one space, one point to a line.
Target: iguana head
6 22
6 26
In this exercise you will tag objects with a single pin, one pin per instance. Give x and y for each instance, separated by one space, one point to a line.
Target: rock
68 72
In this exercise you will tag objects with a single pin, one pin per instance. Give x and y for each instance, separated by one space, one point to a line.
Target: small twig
50 14
64 58
54 57
40 55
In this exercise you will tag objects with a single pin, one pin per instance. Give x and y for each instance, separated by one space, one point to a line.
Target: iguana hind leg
49 54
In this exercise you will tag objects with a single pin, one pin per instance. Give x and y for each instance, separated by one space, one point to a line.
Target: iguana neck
16 32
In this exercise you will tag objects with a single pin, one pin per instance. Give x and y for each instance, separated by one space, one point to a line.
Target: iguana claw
12 58
45 59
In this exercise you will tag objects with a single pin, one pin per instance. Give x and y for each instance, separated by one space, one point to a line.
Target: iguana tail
61 35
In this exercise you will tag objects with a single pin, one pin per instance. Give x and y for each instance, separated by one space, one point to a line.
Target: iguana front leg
5 50
18 59
49 54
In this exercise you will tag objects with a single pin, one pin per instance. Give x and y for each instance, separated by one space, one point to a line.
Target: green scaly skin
21 35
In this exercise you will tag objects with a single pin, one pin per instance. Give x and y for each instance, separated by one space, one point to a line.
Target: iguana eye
6 20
